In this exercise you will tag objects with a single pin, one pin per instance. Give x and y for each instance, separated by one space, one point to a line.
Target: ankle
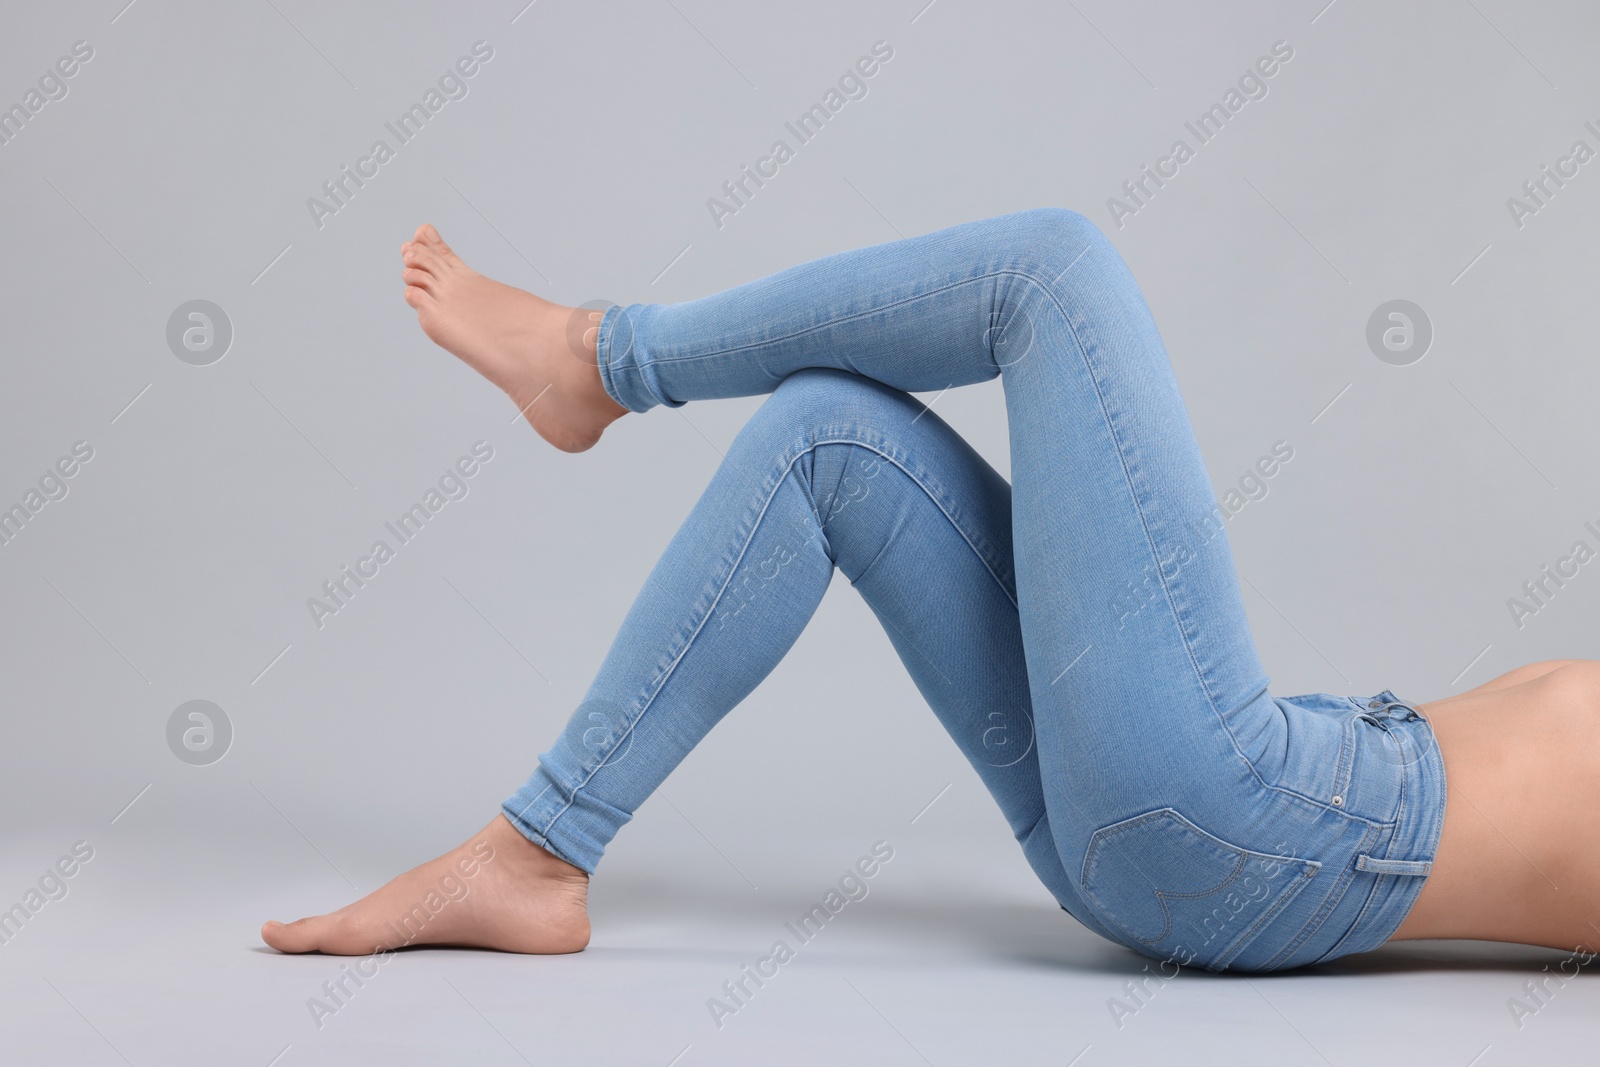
580 330
532 859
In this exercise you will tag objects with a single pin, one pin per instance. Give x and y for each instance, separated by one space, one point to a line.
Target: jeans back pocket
1175 892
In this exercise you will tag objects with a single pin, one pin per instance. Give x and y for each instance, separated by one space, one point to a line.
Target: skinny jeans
1079 632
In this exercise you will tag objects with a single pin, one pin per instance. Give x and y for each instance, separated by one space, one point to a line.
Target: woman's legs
833 471
1156 737
1111 510
1177 804
1147 692
1190 808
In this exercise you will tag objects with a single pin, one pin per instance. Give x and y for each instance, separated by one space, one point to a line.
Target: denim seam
1436 824
841 320
660 681
1344 771
1361 916
875 444
666 674
1329 905
976 544
1436 820
1044 814
870 564
833 500
1421 767
1378 882
833 496
1141 510
1286 897
521 817
1177 616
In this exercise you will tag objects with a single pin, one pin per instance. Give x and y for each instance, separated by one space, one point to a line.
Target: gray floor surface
152 958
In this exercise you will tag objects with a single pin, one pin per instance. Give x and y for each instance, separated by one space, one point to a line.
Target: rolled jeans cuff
571 824
626 372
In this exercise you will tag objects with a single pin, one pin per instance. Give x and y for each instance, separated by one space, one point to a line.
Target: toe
431 238
298 936
427 235
421 279
423 302
425 258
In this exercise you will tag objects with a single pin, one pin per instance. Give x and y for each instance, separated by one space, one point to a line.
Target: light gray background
178 167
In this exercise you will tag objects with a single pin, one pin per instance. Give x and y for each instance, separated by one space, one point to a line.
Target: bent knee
1052 238
1059 222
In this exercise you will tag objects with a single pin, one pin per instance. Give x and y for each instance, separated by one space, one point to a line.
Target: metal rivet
1374 703
1338 802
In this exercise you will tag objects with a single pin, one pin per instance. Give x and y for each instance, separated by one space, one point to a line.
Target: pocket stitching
1307 869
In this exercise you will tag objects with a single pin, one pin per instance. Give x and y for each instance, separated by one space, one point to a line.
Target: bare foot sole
519 341
498 890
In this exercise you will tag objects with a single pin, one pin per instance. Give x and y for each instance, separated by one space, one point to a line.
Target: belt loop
1405 868
1378 707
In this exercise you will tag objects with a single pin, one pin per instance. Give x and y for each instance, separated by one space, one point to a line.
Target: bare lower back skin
1517 860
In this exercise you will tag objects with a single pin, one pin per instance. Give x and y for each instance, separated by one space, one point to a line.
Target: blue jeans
1079 632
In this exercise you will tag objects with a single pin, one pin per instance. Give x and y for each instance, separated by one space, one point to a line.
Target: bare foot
518 341
499 890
